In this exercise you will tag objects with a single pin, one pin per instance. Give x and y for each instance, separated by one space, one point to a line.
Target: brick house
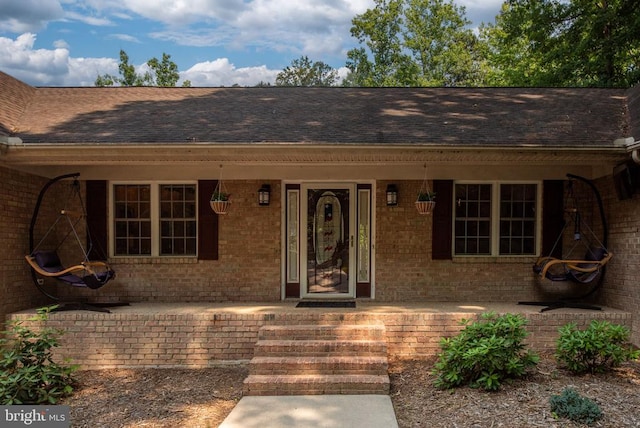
328 157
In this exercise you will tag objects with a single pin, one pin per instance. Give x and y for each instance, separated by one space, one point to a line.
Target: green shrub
485 353
573 406
28 374
598 348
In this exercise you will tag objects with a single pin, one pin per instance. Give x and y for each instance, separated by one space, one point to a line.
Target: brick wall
622 284
18 194
96 340
248 268
405 271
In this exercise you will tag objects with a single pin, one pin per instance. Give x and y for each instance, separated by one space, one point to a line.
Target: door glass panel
364 233
292 236
328 241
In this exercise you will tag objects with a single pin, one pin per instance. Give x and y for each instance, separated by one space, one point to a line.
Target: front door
327 230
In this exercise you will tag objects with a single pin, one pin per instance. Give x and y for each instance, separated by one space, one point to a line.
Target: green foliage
28 374
485 353
164 73
564 43
598 348
414 43
220 196
304 72
574 407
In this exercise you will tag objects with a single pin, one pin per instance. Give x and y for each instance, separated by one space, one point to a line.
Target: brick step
324 331
283 348
315 384
372 365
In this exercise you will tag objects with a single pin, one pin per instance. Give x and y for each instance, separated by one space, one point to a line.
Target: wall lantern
264 195
392 195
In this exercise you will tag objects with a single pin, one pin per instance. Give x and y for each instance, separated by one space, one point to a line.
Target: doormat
326 304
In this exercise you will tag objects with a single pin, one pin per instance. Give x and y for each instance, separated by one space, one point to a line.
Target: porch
197 335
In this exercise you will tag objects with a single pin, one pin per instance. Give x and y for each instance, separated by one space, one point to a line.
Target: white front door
327 240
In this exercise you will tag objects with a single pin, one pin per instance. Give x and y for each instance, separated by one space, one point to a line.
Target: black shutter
552 217
96 201
442 220
207 222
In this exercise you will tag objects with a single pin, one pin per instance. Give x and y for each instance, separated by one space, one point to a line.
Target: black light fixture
392 195
264 195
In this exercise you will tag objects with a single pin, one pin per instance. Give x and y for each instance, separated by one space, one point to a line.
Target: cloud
89 20
54 67
28 15
124 38
223 73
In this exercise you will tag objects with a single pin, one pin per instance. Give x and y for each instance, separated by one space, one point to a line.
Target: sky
213 42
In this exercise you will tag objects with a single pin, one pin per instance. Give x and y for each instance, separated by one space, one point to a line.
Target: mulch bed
204 397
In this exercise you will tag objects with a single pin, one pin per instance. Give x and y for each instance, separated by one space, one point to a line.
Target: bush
572 406
485 353
28 374
598 348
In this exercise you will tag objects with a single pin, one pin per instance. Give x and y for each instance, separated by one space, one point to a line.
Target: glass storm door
327 252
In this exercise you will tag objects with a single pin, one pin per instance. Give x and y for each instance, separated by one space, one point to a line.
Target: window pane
473 219
177 219
176 208
517 218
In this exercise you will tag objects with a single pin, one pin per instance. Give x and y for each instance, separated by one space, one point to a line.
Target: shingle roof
430 116
15 96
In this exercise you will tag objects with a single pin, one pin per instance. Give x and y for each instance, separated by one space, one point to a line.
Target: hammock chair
585 261
45 263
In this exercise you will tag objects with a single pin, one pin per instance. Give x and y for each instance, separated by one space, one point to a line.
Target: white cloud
28 15
223 73
54 67
89 20
124 38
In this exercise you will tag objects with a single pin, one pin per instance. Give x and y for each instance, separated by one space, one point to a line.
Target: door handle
351 240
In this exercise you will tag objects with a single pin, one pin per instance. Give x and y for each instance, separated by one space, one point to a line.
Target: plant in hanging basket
220 202
426 202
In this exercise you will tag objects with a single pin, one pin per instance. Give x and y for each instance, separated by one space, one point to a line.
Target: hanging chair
46 263
585 262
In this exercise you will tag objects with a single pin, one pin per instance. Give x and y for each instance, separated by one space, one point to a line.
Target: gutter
632 147
6 142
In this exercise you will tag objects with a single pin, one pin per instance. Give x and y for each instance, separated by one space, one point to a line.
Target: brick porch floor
208 334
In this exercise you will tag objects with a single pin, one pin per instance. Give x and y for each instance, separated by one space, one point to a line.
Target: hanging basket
220 207
220 201
425 207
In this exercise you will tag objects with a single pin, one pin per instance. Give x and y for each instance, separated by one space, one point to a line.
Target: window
154 219
495 218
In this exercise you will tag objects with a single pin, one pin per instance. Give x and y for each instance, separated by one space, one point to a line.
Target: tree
414 43
561 43
165 73
379 30
304 72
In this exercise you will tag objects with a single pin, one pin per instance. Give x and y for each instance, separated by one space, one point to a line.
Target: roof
514 117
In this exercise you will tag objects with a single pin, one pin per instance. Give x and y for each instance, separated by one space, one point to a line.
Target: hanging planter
220 200
425 207
426 202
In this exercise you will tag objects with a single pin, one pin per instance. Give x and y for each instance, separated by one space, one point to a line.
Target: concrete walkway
313 411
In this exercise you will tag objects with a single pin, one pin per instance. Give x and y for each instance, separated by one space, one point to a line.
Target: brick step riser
296 385
300 348
260 368
321 333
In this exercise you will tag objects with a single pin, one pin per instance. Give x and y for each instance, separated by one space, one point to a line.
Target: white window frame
495 217
154 186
